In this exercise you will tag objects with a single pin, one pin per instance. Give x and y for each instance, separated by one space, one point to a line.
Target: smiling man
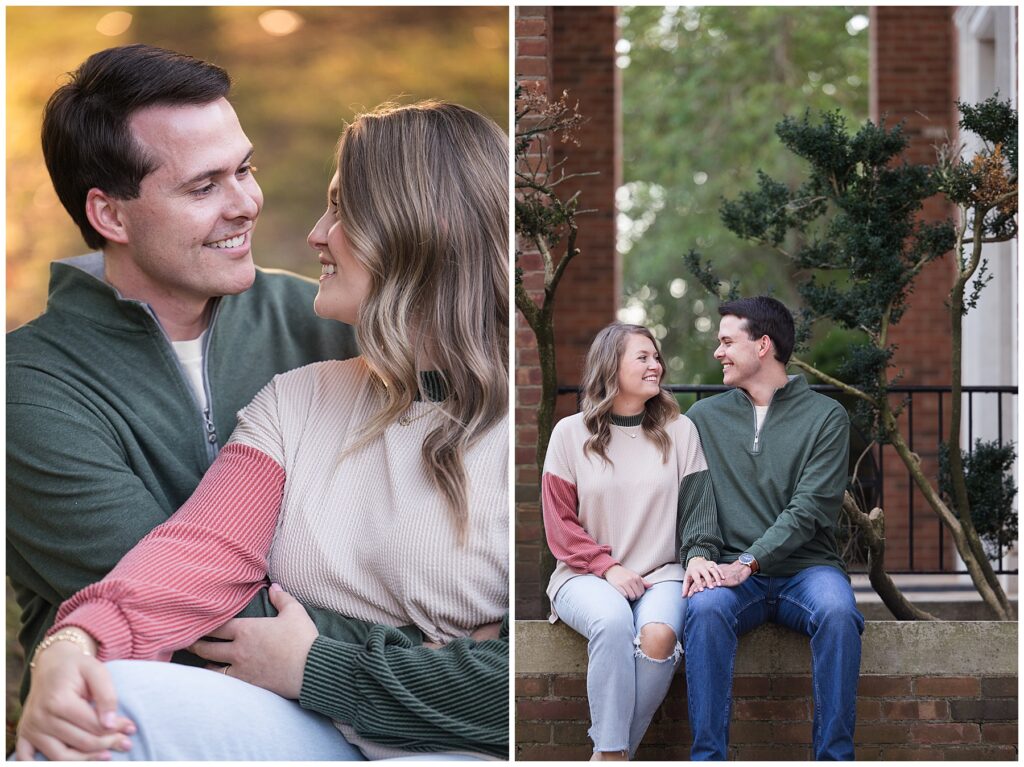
120 395
777 453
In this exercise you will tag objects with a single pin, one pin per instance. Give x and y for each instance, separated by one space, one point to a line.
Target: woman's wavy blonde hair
423 200
601 385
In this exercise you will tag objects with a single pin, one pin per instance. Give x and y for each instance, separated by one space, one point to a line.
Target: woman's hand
268 652
59 720
700 574
631 585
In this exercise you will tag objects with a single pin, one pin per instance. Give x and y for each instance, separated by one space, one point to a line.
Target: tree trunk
545 421
872 527
994 597
956 468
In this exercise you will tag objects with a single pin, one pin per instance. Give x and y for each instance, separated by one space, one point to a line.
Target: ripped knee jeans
633 650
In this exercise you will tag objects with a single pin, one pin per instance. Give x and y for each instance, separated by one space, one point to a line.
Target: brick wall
569 49
899 717
923 694
913 68
584 65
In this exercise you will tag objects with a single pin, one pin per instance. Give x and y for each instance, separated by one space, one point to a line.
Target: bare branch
571 252
1010 235
842 386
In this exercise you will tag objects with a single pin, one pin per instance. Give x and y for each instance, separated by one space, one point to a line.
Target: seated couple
678 533
370 491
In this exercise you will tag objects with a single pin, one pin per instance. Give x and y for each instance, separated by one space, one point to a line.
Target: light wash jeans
192 714
818 602
185 713
624 686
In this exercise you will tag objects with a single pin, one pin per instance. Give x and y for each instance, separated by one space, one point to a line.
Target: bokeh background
298 74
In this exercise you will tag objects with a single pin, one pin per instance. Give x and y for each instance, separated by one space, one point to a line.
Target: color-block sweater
361 532
636 510
779 489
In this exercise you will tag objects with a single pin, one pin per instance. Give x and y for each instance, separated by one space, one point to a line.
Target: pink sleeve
191 573
567 539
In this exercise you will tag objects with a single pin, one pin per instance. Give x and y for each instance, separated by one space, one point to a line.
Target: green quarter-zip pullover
779 490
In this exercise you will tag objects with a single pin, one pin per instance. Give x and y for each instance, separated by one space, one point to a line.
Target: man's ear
765 347
106 214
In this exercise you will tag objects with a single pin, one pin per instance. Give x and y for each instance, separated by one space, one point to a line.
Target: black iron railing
870 479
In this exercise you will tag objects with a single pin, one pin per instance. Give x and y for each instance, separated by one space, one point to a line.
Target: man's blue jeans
817 601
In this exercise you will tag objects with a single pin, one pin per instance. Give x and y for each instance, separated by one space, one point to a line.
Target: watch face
746 559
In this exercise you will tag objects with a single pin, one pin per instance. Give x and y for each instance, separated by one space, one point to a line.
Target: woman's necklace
434 388
405 419
631 434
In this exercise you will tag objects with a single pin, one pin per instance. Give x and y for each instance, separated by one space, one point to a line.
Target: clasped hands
703 574
700 574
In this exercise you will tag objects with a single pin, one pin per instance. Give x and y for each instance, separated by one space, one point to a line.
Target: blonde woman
374 487
617 476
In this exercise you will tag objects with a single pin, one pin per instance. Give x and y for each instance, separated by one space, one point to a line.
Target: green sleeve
399 694
817 499
699 534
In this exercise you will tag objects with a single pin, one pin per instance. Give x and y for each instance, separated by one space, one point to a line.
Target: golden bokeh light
114 23
279 22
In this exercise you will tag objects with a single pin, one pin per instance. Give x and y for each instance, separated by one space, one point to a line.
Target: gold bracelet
69 634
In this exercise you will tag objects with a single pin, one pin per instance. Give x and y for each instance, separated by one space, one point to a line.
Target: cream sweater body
366 532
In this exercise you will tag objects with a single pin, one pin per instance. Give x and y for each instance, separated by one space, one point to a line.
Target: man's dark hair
86 139
765 316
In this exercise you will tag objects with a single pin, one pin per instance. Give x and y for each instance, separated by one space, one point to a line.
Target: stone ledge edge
905 648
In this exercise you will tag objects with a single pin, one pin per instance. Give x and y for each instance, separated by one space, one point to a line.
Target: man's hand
631 585
59 720
733 574
268 652
701 573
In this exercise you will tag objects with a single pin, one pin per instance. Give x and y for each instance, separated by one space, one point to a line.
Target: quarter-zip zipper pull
211 430
213 446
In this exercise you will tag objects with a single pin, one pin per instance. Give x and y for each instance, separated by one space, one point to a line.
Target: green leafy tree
702 88
860 248
988 475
